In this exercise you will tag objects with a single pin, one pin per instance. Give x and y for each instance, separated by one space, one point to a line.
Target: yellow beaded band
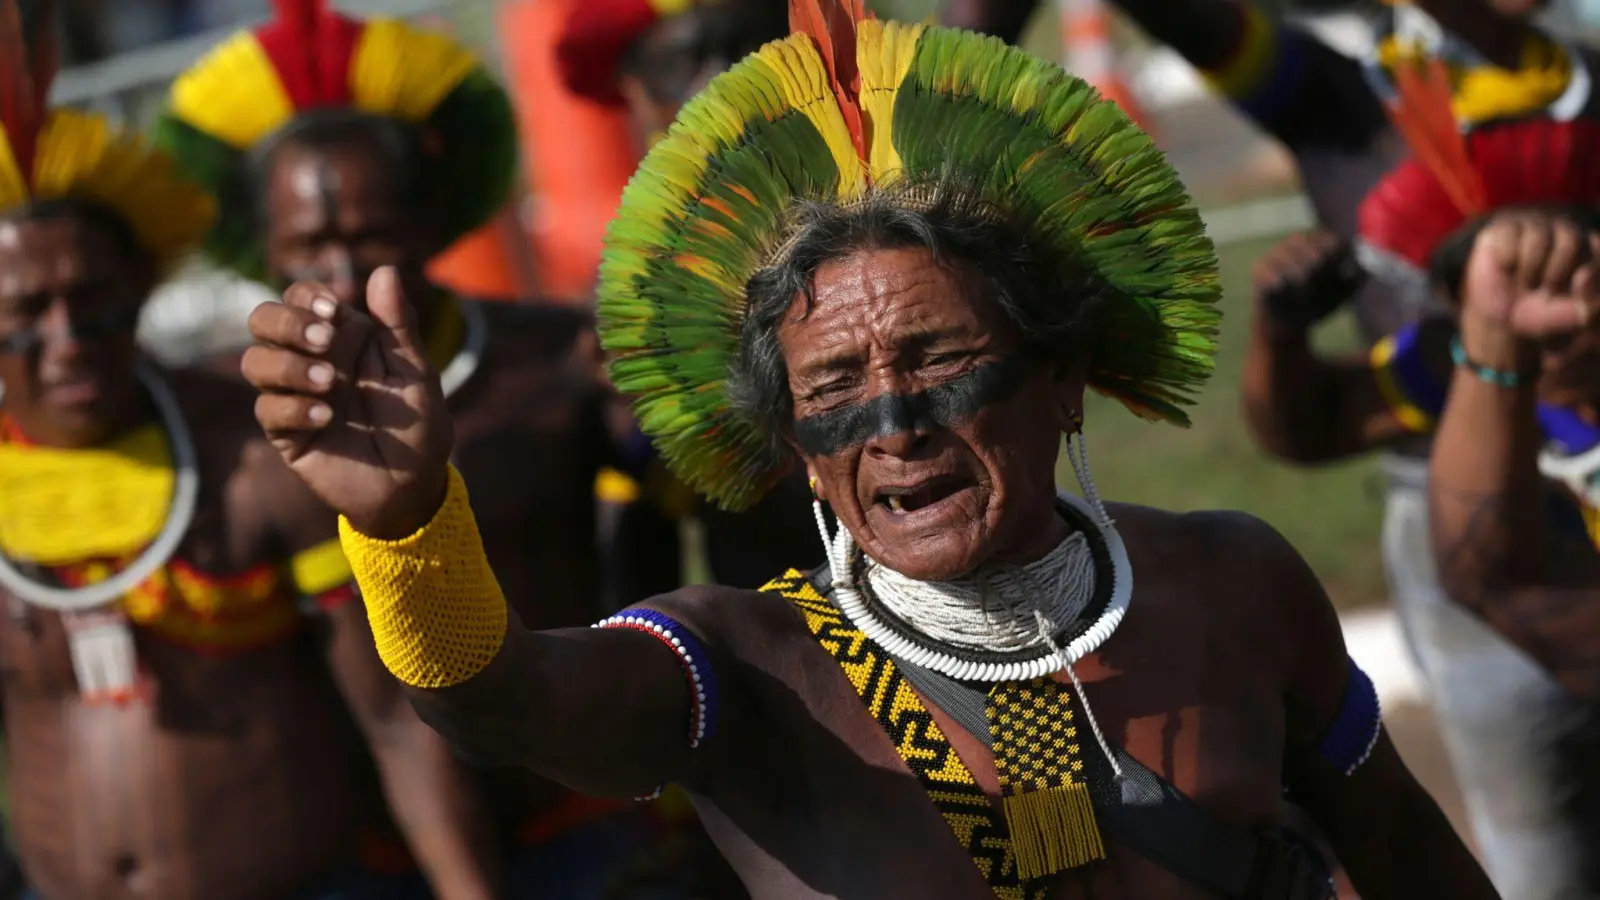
436 609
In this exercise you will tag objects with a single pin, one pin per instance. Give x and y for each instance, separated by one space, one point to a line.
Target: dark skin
532 426
678 54
230 779
1301 406
1526 300
1230 658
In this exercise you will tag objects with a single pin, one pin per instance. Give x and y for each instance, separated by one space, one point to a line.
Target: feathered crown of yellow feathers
62 154
848 105
309 57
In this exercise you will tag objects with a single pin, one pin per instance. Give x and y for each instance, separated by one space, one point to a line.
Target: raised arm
1529 276
1302 407
1298 89
351 404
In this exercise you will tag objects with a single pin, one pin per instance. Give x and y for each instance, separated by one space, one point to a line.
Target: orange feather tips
1423 115
832 25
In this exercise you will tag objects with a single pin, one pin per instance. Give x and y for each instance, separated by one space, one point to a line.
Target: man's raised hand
1531 275
351 402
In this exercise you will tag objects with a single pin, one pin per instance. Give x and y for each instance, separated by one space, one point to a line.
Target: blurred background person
647 59
181 627
394 143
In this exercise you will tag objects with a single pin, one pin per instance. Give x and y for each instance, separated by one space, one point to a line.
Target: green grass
1330 513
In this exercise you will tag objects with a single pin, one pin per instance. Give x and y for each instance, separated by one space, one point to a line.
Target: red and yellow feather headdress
1454 178
310 57
57 154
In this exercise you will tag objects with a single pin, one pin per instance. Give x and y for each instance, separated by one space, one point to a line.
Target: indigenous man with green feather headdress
895 255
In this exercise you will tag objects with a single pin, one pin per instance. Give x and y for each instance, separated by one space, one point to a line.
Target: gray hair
1050 302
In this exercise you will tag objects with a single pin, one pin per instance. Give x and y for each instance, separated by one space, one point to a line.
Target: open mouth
903 499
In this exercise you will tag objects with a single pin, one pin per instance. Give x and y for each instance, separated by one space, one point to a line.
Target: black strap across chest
1146 813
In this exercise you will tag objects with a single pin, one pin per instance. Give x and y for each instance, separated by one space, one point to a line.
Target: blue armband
1349 740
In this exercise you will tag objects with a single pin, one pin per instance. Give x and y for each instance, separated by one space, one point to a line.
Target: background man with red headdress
647 57
335 146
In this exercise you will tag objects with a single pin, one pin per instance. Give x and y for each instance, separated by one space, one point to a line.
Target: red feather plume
311 47
25 79
1424 117
832 25
1523 163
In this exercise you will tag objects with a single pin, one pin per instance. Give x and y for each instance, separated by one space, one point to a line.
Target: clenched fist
1531 275
1304 279
351 402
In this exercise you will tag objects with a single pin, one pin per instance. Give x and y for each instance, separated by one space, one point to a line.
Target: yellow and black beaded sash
917 737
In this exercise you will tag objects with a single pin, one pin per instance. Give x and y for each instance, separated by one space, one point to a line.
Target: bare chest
854 810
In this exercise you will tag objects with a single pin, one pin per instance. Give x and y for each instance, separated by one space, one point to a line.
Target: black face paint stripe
946 405
91 327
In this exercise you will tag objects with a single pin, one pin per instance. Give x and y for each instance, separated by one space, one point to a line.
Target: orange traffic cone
1091 54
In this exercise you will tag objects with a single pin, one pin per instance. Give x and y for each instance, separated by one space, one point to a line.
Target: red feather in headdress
1522 163
832 25
311 47
1454 178
25 79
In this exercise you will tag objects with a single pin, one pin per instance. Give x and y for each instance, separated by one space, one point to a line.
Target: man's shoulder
747 622
219 409
1210 547
1208 530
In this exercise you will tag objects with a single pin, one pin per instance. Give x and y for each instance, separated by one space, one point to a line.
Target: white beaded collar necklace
971 619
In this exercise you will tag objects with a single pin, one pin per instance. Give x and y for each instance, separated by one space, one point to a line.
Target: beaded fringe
1053 829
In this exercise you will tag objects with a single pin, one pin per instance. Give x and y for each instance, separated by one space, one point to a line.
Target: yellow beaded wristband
437 612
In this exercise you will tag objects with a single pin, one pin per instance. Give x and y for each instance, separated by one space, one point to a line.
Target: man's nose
60 340
899 429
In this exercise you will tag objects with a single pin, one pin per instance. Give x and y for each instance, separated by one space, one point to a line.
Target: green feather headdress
849 105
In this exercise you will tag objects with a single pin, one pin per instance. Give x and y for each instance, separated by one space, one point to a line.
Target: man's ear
1069 381
817 489
811 472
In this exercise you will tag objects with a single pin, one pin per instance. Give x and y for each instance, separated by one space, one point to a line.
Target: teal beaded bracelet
1486 374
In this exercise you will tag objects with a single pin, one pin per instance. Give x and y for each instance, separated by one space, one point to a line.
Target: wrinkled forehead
888 301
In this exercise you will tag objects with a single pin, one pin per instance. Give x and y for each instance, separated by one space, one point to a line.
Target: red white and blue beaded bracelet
692 657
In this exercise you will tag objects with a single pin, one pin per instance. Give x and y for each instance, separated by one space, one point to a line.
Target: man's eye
946 359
